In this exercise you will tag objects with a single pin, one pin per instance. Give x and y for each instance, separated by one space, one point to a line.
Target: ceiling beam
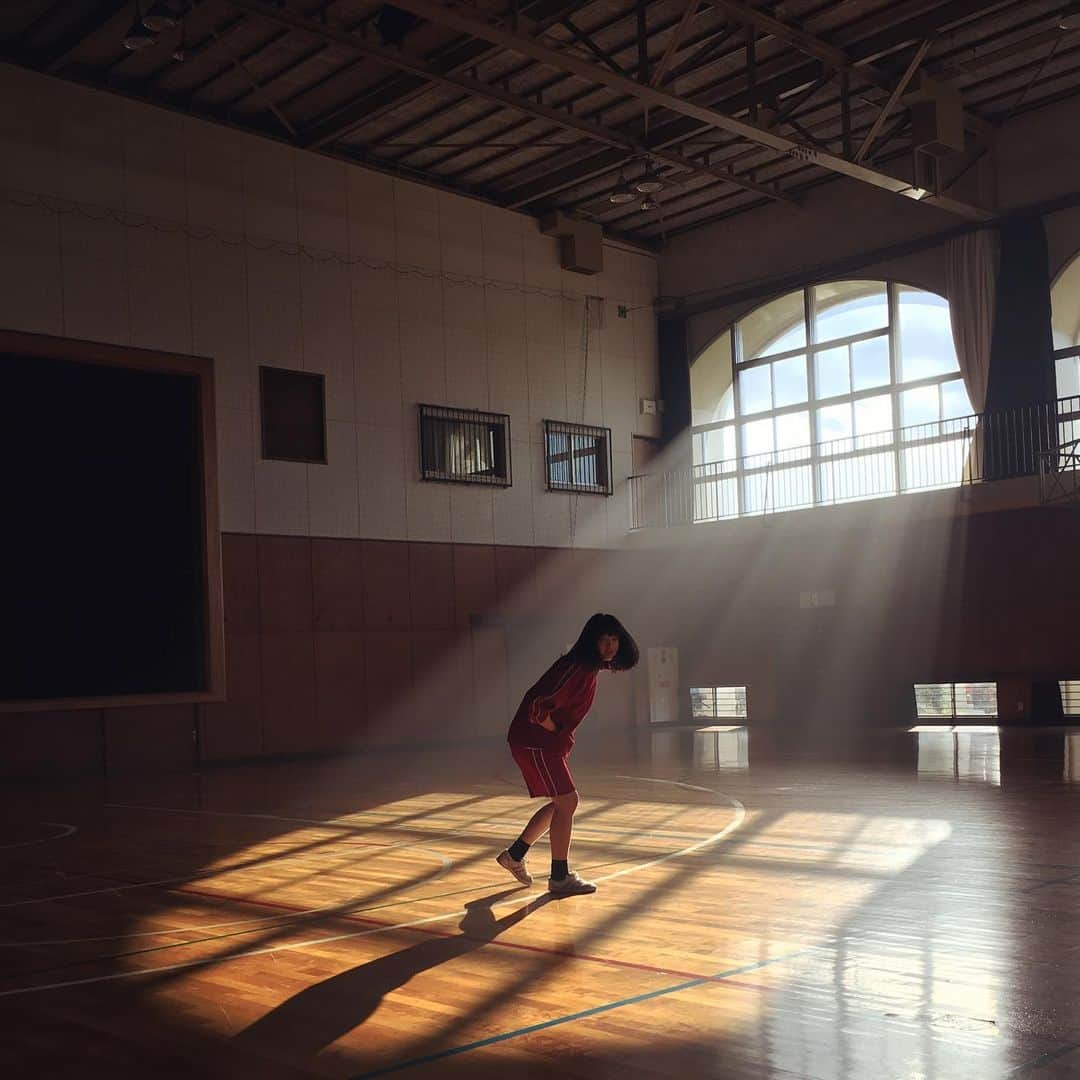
674 43
894 97
418 66
58 54
880 37
822 50
553 83
401 89
582 38
463 21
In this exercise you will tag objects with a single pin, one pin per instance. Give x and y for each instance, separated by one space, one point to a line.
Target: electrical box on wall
581 243
937 117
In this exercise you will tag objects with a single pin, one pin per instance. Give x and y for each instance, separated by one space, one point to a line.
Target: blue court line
453 1051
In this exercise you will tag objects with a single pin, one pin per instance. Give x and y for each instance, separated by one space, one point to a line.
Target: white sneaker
571 885
516 867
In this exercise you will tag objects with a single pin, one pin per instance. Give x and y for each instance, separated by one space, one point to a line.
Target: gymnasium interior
354 354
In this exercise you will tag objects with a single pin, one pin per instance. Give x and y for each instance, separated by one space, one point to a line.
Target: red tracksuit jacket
565 691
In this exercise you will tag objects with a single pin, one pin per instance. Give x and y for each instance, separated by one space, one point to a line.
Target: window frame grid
447 415
603 455
714 693
1069 689
890 442
953 715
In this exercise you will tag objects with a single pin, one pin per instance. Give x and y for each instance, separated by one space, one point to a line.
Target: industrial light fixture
649 203
622 193
138 36
1069 20
916 193
650 181
160 17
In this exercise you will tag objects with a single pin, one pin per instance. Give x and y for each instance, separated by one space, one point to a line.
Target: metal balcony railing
1042 439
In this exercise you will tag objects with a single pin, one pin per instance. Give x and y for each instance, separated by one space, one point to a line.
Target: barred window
948 701
577 457
1070 696
464 446
718 702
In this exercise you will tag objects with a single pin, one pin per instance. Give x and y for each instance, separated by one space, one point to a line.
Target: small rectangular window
718 702
577 457
293 408
464 446
950 701
1070 696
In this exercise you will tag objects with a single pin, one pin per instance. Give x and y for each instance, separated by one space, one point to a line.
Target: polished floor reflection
761 913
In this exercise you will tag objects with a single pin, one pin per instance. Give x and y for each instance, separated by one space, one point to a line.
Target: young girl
542 735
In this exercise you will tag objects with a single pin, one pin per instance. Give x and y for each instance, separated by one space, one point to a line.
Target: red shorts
545 773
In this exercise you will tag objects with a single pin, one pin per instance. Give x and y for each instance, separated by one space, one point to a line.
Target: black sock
559 869
517 849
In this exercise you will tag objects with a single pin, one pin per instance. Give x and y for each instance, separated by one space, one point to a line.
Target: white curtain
971 282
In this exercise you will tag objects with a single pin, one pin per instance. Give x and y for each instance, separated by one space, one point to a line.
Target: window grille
577 457
949 701
464 446
718 702
1070 696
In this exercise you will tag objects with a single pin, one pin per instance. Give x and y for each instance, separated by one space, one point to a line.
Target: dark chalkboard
104 554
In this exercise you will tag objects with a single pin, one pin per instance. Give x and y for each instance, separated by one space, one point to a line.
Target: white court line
339 823
740 815
378 850
67 831
445 860
284 915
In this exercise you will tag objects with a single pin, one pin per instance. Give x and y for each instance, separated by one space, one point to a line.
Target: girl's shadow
312 1019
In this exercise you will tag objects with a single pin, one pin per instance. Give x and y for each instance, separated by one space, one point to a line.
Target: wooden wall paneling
491 693
51 745
150 738
386 585
515 568
431 586
337 576
240 572
388 676
288 687
234 728
475 582
285 588
340 689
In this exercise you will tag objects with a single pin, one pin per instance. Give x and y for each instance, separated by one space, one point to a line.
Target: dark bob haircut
586 647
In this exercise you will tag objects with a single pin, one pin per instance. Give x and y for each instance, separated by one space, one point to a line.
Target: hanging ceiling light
650 181
1069 21
160 17
649 203
138 36
622 193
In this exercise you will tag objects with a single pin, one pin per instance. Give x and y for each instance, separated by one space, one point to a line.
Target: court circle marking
735 823
67 830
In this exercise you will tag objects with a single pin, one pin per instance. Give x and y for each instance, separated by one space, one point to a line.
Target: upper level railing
994 445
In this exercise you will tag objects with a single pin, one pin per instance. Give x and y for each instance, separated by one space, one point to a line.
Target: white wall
1035 160
185 239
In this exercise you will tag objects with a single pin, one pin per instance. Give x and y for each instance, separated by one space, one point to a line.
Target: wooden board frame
201 368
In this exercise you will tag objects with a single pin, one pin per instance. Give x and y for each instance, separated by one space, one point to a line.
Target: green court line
596 1009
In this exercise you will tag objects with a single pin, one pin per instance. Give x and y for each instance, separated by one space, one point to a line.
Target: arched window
1065 318
839 391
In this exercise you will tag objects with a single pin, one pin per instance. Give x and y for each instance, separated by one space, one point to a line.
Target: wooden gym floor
346 918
